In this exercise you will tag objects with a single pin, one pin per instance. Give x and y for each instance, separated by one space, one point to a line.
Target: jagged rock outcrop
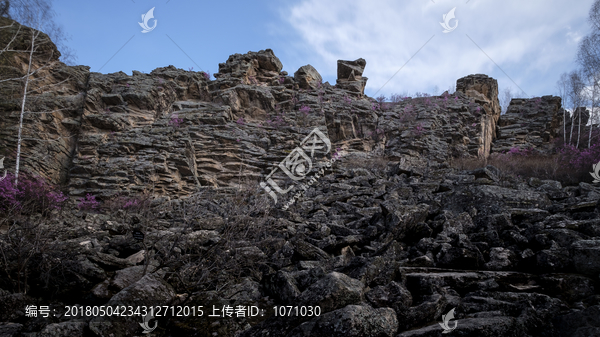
529 124
177 130
484 90
350 76
308 77
51 130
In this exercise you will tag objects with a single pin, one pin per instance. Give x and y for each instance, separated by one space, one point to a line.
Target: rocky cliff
384 241
114 133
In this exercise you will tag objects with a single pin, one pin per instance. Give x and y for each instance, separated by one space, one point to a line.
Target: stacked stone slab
484 90
529 123
350 76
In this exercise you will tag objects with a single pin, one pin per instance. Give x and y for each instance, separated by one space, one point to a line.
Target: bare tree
452 89
4 8
28 44
592 98
577 96
505 98
588 57
594 15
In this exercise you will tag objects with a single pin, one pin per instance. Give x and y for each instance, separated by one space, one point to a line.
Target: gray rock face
333 291
10 329
529 123
308 77
580 323
350 76
348 68
352 320
150 290
485 327
586 256
64 329
483 90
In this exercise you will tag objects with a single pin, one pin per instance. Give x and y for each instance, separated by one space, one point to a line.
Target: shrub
580 159
175 121
303 116
568 165
418 131
277 121
129 204
88 203
32 194
407 114
305 110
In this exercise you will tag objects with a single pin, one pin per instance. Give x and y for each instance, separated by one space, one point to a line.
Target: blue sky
523 45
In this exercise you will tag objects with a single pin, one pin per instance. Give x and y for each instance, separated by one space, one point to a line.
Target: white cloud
526 40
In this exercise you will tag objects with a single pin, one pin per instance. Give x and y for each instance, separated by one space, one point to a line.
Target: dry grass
535 166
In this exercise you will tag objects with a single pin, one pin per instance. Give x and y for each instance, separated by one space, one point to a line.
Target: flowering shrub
131 204
88 203
277 121
580 159
127 203
32 194
240 121
175 121
516 151
347 100
407 114
321 96
419 130
568 165
305 110
206 75
445 101
281 80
